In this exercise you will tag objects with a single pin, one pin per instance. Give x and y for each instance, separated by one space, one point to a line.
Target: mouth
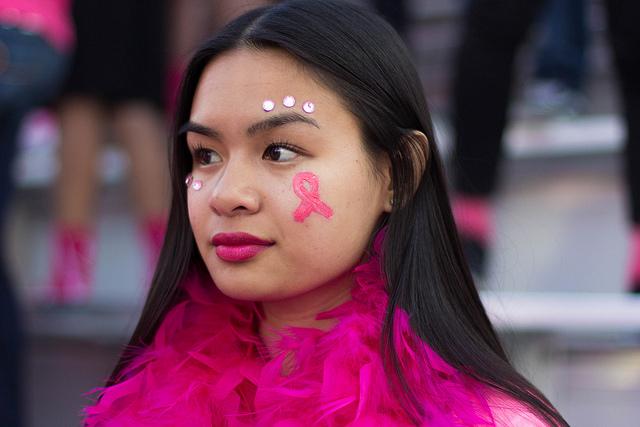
238 247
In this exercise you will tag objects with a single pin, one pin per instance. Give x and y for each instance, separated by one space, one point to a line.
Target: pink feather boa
207 367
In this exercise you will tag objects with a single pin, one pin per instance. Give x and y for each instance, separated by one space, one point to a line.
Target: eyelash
283 144
199 150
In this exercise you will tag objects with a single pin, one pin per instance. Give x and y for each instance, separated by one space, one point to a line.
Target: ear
413 149
417 146
411 158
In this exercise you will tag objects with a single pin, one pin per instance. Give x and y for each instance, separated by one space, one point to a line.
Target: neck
302 310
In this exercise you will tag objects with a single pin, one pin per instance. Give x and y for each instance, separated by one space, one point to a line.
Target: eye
281 152
205 156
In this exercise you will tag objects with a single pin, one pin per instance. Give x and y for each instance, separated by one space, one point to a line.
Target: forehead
237 82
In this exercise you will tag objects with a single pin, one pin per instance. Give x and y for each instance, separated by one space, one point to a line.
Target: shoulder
508 412
510 417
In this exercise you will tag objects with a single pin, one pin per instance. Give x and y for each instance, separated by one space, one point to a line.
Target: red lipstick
237 247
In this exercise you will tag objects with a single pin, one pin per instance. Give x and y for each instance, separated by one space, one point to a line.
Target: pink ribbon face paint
307 187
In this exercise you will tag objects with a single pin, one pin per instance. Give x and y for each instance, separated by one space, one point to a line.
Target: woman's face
288 197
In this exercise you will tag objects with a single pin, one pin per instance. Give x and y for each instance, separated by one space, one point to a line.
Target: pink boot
73 263
474 220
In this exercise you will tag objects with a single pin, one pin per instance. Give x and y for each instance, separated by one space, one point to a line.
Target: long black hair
361 58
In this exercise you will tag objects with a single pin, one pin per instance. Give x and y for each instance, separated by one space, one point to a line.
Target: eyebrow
279 120
198 128
261 126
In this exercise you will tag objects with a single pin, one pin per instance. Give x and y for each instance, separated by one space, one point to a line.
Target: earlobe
388 200
388 204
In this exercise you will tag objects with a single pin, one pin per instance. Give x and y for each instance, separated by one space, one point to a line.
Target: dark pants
561 54
30 76
494 30
10 325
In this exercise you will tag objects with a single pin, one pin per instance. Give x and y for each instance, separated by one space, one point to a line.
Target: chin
245 290
249 290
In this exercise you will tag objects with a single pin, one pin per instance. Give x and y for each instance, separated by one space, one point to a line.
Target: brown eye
206 157
280 153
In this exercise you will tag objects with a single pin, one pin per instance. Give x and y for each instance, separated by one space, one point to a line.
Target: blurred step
577 313
553 137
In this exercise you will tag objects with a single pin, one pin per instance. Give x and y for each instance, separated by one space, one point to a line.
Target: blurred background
529 113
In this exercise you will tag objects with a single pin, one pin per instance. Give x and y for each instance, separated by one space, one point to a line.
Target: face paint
309 197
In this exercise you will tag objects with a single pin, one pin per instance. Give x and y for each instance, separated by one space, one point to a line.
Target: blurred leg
493 32
557 88
189 27
29 72
82 124
11 355
11 349
561 55
623 17
140 129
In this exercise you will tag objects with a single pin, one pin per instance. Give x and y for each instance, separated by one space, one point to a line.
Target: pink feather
207 367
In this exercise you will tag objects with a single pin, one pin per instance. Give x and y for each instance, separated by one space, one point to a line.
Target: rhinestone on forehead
289 101
197 185
308 107
268 105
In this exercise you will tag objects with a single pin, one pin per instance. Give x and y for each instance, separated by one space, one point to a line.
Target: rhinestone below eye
308 107
289 101
197 185
188 180
268 105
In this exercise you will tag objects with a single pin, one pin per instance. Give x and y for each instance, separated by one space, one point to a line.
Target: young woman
311 274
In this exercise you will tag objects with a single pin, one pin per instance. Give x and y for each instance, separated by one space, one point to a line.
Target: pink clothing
49 18
208 367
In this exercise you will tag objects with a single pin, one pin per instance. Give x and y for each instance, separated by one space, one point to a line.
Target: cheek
320 247
196 207
356 199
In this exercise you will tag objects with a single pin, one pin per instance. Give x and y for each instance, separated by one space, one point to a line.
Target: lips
237 247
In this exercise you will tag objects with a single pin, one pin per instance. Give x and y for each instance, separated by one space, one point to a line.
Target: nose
234 193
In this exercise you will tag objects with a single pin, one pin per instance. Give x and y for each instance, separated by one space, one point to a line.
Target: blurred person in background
192 22
115 88
493 32
560 61
35 39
